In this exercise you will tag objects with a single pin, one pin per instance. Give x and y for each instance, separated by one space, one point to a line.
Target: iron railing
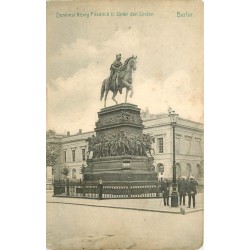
111 189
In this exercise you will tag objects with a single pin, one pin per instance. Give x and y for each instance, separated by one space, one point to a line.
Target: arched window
199 171
178 170
73 173
188 170
160 168
160 171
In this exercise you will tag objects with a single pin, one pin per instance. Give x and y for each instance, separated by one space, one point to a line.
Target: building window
178 170
160 168
188 170
160 145
188 146
198 148
199 171
177 145
83 154
73 173
73 155
64 156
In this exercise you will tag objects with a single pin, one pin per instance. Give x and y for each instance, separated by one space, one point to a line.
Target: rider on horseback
114 70
124 78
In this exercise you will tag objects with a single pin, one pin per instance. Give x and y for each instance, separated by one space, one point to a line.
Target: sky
80 50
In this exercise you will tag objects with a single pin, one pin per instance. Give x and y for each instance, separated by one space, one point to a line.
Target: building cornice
166 116
75 140
177 126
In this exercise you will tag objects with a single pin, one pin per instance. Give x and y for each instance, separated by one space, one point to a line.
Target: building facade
189 141
71 150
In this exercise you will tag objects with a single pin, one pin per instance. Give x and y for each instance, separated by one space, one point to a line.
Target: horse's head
132 62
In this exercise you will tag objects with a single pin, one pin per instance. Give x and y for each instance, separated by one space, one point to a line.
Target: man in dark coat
182 189
191 191
114 69
165 191
99 188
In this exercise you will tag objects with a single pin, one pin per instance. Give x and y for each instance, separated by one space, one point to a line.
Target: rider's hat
118 55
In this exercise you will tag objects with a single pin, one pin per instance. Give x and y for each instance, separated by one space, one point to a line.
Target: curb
126 208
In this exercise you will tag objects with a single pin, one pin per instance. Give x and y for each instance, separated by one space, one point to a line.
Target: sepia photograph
122 123
125 124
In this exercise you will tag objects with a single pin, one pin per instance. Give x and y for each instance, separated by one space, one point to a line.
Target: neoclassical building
72 149
189 142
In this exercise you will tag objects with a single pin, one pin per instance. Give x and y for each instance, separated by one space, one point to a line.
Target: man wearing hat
99 188
191 191
114 68
182 188
165 191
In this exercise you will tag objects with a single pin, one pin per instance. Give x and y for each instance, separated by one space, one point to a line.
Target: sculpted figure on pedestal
120 144
120 77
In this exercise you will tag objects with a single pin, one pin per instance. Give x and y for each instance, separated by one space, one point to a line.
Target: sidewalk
151 204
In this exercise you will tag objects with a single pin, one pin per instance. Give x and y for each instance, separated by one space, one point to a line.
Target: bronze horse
124 81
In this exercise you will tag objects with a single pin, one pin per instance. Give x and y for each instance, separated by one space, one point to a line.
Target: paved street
71 226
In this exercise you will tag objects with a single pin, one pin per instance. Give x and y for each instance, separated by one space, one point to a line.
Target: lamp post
174 195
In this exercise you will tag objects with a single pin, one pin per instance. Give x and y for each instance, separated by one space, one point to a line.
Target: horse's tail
102 90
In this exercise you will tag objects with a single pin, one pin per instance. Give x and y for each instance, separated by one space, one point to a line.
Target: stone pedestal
119 151
121 168
122 117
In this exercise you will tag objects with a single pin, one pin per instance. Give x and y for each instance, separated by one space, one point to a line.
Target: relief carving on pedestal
122 117
120 143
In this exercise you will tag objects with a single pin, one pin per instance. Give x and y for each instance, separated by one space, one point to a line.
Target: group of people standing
185 187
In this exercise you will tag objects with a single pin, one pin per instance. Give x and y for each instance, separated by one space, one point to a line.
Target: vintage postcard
124 139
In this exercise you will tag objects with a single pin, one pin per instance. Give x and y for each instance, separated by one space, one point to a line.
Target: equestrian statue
120 77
